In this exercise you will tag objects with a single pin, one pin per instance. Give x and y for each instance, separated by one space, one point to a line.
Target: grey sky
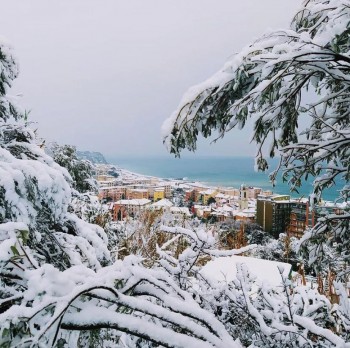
104 75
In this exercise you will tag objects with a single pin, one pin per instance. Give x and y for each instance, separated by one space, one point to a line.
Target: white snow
223 269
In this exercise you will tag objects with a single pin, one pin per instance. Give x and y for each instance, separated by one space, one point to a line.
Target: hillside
92 156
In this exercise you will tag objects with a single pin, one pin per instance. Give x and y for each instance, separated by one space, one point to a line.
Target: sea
216 171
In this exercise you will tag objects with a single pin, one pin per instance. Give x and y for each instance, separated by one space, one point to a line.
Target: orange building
129 207
137 194
112 193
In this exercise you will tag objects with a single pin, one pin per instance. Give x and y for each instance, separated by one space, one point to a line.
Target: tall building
278 213
273 213
301 217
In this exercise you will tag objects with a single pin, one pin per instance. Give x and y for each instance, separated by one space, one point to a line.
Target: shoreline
192 182
210 185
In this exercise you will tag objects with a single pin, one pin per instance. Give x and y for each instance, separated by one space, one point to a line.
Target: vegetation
284 79
59 284
80 170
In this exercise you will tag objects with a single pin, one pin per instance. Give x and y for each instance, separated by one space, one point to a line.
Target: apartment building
192 195
137 194
106 180
301 217
254 192
129 207
207 194
112 193
158 194
273 213
230 191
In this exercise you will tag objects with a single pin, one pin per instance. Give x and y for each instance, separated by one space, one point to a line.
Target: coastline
214 172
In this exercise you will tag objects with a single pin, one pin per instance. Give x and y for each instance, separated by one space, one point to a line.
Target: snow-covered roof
244 214
142 201
163 203
208 192
222 196
180 210
220 213
249 211
224 209
224 269
108 188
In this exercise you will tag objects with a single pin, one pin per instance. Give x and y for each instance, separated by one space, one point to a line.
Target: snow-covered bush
259 314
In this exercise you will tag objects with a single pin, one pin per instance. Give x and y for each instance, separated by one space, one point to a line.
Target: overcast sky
104 75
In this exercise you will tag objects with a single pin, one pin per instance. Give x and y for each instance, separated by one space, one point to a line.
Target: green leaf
24 235
5 332
14 250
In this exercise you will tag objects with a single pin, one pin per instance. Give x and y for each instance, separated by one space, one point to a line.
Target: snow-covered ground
224 269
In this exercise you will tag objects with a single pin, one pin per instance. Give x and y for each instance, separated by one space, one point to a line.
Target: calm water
214 171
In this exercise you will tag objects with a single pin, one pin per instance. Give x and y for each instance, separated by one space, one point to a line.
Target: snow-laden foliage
48 307
124 297
36 191
80 170
259 314
328 246
267 82
58 285
286 77
88 208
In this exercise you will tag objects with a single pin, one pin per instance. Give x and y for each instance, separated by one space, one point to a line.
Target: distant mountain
94 157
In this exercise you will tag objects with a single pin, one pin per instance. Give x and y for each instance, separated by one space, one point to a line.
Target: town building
163 204
243 197
106 180
180 212
230 191
137 194
158 194
254 192
301 217
202 212
246 215
111 193
207 194
129 208
273 213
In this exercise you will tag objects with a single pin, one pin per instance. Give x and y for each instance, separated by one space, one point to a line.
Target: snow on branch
59 303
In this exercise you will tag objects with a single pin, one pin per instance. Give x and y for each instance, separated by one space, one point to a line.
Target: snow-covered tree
80 170
34 190
58 285
287 77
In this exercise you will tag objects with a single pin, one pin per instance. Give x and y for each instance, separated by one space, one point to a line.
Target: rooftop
138 202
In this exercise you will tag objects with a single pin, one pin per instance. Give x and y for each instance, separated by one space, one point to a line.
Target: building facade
273 213
129 208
